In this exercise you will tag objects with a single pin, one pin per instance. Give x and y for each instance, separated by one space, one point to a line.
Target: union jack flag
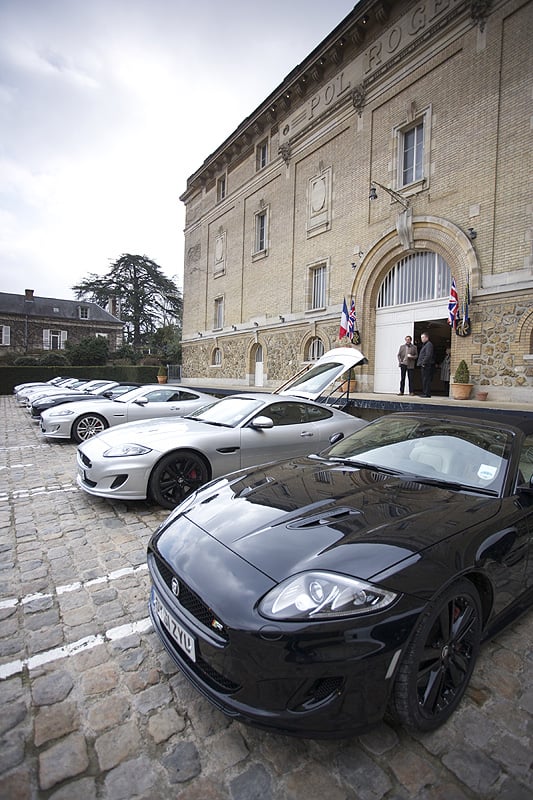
453 304
351 321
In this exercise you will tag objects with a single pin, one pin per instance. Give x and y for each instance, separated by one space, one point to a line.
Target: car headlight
323 595
127 450
61 412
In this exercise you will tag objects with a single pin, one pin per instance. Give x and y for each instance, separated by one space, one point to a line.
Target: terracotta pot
481 395
161 378
461 391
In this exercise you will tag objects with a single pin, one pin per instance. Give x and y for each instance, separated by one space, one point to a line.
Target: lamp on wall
282 318
395 196
200 334
472 233
233 327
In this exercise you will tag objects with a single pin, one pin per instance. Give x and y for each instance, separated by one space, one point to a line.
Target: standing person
406 361
445 371
426 362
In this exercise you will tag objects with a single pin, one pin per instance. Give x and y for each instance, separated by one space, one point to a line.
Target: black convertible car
313 596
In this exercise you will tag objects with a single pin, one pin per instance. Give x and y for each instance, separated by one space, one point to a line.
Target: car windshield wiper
210 422
365 465
453 485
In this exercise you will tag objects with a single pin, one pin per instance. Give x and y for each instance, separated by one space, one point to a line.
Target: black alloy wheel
439 661
177 475
87 426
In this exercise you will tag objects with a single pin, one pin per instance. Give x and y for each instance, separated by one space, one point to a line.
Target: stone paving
92 707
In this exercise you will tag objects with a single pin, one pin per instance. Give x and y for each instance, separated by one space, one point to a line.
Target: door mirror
262 422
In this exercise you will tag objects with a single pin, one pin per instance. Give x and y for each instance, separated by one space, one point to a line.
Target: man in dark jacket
426 362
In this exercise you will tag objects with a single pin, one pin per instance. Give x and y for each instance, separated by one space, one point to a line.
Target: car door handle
307 433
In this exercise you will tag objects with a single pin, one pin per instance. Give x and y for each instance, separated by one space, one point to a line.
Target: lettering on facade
357 74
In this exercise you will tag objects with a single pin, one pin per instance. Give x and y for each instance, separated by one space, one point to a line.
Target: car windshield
131 394
230 411
475 456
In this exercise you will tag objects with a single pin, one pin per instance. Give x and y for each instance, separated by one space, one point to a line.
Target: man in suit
406 361
426 362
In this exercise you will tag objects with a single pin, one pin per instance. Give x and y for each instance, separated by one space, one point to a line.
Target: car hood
155 433
308 513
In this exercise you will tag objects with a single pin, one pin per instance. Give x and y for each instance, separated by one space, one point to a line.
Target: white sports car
82 420
166 459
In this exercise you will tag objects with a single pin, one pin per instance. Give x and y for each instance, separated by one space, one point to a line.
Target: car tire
440 658
177 475
87 426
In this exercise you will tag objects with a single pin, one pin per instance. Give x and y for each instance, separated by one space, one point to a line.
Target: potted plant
461 386
162 374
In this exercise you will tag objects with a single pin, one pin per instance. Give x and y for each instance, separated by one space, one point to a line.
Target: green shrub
26 361
462 374
54 359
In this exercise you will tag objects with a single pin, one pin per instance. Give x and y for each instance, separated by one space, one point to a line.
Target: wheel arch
191 450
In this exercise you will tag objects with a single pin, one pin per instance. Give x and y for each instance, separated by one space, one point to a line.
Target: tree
137 292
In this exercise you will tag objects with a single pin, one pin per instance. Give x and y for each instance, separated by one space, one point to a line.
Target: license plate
184 640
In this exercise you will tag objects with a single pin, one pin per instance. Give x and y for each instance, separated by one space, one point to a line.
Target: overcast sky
106 108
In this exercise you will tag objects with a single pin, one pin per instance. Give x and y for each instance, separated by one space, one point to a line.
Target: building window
261 233
219 313
83 312
54 340
216 359
413 154
221 188
318 286
261 155
5 335
315 349
416 278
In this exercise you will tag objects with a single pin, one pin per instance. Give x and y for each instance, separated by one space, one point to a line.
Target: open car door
323 377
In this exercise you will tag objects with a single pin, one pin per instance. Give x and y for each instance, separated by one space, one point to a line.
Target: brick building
396 157
31 324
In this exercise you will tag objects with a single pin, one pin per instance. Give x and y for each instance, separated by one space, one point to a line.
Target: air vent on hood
335 515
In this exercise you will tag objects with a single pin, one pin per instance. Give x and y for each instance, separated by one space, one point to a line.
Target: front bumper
119 478
314 680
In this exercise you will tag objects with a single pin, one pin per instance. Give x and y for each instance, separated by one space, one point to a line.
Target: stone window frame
414 120
261 235
312 268
261 155
218 312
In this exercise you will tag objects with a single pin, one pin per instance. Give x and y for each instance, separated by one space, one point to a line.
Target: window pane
318 297
413 154
414 279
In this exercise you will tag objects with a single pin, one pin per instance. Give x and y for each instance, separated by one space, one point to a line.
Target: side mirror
262 422
141 401
336 437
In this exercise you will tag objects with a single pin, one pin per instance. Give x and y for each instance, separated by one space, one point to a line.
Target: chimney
28 295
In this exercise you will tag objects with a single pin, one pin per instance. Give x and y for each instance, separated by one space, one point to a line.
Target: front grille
190 601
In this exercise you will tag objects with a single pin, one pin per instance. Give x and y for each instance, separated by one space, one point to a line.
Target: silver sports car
165 459
82 420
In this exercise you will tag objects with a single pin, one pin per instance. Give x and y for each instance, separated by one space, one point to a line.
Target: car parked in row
83 419
108 390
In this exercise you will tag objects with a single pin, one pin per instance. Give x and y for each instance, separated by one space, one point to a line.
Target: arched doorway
413 298
258 371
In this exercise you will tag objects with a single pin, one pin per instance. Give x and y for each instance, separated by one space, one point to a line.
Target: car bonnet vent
248 490
335 515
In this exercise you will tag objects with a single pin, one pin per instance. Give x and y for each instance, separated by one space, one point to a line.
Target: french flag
343 329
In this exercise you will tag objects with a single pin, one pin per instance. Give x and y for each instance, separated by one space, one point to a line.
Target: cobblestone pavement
92 707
